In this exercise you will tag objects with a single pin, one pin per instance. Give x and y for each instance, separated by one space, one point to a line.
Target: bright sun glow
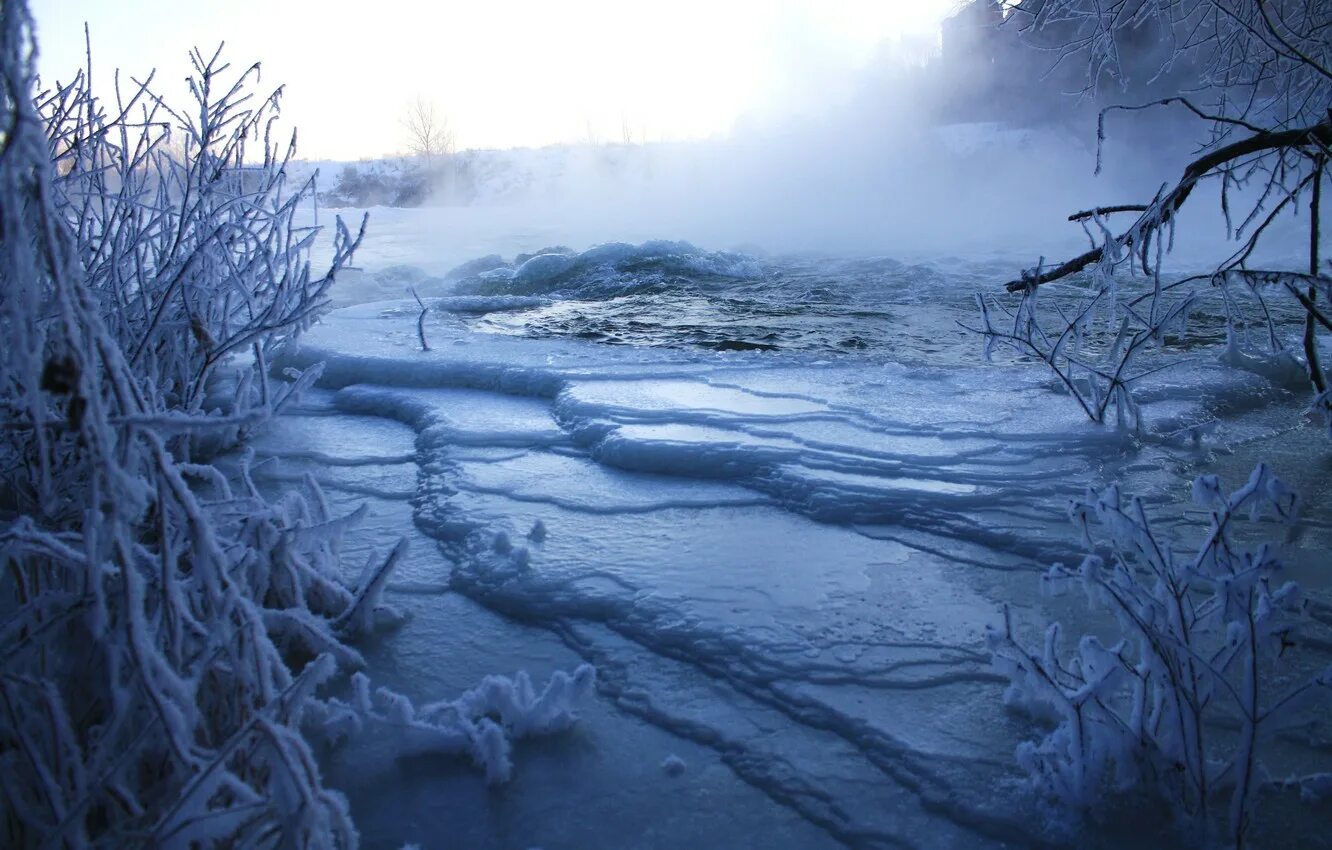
507 73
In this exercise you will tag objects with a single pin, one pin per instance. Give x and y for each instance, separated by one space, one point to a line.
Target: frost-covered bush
1098 363
143 698
163 626
182 227
1177 705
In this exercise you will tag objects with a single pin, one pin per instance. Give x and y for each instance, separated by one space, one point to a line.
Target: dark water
682 297
673 294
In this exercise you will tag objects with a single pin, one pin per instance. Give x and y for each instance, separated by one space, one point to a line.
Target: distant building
971 34
976 63
993 66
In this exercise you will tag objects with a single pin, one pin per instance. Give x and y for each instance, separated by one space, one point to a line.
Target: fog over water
897 158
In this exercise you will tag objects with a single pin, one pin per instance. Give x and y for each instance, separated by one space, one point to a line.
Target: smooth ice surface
781 562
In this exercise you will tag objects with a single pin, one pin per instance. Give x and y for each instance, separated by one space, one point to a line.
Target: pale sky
507 73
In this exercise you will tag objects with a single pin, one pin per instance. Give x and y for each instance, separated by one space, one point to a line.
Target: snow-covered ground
780 557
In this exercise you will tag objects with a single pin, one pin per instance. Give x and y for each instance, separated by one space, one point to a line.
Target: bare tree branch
1160 212
428 132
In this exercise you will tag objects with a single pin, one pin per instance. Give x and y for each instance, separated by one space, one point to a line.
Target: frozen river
775 501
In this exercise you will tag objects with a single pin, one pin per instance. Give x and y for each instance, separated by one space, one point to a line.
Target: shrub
1199 637
143 699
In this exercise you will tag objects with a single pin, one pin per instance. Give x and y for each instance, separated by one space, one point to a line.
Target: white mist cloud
507 72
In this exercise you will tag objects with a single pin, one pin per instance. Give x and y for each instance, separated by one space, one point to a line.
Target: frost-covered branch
1159 214
1255 74
1199 637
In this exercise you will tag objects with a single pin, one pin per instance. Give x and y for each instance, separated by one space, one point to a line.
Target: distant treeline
473 176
